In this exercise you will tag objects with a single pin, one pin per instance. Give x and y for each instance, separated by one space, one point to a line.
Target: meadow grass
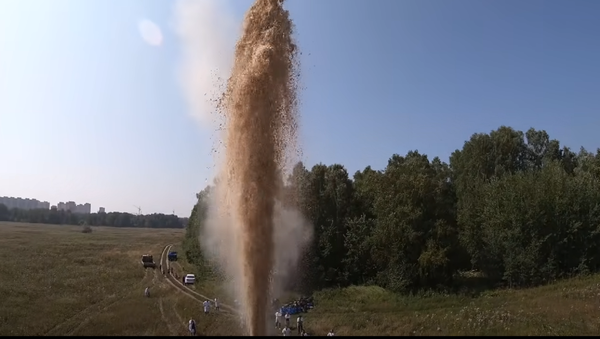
56 280
567 307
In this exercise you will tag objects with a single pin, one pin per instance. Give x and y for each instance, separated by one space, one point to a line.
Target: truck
148 261
172 256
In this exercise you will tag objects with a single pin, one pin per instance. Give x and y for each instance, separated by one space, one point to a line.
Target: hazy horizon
104 102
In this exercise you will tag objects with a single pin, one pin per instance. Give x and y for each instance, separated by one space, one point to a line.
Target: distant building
30 204
83 208
101 210
25 204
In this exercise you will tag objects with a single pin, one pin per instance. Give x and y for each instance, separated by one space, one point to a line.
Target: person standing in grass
300 324
277 318
287 319
206 305
216 305
192 327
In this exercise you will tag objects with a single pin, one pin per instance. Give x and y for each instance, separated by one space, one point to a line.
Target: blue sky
90 112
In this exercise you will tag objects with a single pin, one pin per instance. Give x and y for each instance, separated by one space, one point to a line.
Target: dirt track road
199 297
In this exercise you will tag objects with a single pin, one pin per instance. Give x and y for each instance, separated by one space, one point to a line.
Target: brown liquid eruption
259 109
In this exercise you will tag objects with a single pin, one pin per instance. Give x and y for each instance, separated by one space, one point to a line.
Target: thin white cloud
208 31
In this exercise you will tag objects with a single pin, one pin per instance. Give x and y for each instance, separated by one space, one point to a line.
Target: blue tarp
291 310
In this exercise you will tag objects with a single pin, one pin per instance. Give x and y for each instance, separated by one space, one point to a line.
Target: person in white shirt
300 324
331 334
216 305
304 334
286 332
277 317
287 319
192 327
206 305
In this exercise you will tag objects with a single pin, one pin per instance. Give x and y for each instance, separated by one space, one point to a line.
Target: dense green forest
116 219
517 209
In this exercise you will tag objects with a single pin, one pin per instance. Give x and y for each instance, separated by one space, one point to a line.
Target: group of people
287 331
206 306
169 270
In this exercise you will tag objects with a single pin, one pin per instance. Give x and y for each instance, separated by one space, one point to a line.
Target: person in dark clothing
192 327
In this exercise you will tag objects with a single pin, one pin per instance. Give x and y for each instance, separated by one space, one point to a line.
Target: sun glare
150 32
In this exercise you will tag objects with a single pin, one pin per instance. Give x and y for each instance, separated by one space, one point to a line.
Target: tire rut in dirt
153 283
199 297
101 305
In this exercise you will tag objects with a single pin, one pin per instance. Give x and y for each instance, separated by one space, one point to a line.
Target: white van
189 279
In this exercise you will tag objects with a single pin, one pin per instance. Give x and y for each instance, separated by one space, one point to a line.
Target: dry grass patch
71 282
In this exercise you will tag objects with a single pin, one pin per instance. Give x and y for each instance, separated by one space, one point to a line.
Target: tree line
115 219
512 208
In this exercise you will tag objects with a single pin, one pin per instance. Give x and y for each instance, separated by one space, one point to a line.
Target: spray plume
248 230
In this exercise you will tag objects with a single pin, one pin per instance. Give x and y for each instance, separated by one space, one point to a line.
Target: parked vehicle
189 279
148 261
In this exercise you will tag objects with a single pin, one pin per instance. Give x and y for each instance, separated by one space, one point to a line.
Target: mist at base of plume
220 238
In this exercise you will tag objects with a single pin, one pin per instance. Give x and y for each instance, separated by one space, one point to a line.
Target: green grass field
56 280
565 308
